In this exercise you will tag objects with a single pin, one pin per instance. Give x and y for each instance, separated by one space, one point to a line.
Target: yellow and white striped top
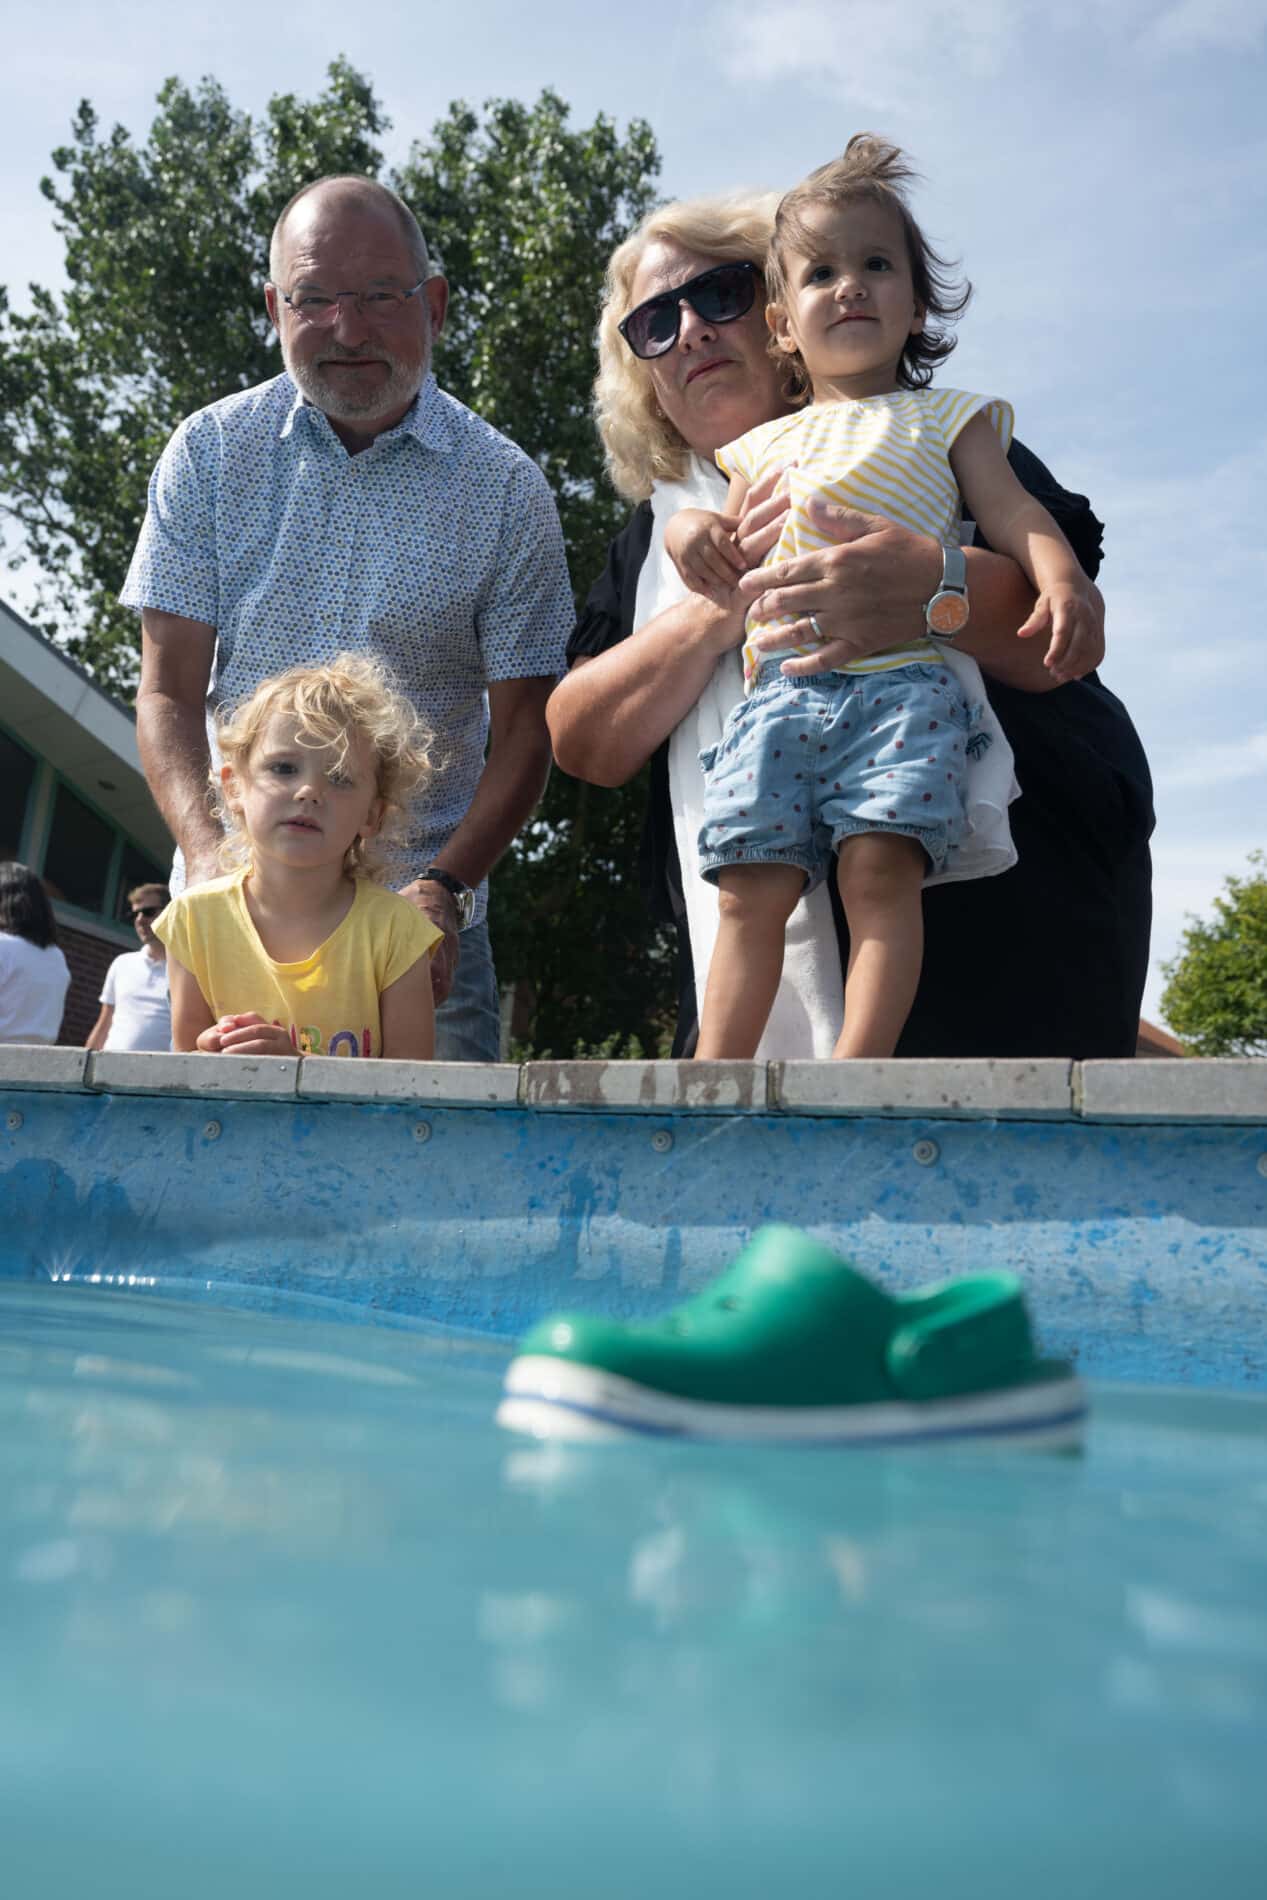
885 455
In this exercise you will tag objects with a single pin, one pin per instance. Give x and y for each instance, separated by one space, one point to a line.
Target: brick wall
89 959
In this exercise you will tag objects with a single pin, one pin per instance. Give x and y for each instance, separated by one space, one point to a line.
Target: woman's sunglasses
720 295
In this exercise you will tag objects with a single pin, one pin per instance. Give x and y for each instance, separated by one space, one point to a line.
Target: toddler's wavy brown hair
870 168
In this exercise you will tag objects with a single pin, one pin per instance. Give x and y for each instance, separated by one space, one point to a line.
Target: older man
349 503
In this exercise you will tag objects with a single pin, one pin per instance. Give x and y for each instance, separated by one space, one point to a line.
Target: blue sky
1100 168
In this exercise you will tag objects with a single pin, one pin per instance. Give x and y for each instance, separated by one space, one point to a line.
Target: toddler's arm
1069 606
704 549
406 1011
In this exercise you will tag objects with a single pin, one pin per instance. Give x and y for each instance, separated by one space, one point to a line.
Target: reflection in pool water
282 1613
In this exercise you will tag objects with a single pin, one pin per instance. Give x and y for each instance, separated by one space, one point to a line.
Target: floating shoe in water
792 1346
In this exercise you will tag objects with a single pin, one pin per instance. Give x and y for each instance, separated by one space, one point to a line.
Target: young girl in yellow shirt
299 950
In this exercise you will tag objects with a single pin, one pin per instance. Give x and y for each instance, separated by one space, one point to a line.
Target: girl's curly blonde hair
352 698
640 443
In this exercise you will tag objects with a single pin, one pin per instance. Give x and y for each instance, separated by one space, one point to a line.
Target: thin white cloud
1201 25
1185 566
1223 763
880 56
903 59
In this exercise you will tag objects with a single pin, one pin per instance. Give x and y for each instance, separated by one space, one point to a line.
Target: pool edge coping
1193 1090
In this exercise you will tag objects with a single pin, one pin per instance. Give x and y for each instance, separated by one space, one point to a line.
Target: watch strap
462 894
954 570
946 613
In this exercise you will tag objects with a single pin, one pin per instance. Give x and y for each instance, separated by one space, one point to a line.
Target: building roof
1153 1041
61 713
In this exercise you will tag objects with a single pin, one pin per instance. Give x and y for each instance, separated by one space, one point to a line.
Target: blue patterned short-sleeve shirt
437 549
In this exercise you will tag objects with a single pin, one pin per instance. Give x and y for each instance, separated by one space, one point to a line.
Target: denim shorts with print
805 763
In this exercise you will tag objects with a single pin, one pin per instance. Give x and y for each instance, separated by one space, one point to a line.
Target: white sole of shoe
555 1398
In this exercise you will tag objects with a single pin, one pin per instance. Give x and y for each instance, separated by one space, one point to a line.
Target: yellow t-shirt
885 455
329 1000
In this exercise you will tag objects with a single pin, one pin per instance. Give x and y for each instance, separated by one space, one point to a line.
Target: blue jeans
468 1022
804 764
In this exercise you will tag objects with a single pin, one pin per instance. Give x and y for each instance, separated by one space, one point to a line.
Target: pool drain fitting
926 1152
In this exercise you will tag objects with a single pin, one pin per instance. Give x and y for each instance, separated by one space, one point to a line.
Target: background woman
34 977
1048 959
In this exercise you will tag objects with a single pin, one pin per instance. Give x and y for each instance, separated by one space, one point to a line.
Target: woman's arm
608 715
869 592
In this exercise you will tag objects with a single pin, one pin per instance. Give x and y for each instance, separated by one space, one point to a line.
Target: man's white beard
343 405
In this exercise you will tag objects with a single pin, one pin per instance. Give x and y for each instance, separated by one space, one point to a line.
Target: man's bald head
350 189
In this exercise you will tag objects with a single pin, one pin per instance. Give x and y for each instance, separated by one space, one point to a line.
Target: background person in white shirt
135 1007
34 975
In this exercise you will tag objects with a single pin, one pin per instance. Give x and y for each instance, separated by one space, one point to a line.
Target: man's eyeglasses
720 295
381 306
146 910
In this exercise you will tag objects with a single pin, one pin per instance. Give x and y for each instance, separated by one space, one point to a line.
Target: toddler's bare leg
756 901
880 876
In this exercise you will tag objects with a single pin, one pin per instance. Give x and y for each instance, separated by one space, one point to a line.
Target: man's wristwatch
946 614
462 894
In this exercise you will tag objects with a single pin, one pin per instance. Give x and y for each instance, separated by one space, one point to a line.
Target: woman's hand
867 591
245 1035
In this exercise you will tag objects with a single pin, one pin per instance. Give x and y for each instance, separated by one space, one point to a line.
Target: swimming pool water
282 1613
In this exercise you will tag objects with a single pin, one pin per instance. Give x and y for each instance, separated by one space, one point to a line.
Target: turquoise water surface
282 1613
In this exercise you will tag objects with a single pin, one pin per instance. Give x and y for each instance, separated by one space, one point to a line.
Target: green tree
1216 990
166 249
523 212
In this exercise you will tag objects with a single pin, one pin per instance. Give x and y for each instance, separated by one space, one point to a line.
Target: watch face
947 614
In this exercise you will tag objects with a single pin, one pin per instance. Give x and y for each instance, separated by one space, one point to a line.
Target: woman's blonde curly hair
352 698
641 444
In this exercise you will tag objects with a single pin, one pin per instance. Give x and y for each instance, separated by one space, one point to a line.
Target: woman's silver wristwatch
946 614
462 894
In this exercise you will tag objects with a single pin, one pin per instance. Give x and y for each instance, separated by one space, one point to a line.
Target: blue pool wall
1131 1196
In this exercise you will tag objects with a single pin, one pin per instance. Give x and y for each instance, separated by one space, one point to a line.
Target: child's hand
703 549
245 1035
1074 617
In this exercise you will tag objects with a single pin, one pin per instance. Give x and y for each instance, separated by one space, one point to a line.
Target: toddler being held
873 769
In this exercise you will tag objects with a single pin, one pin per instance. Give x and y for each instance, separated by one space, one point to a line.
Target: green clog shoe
792 1345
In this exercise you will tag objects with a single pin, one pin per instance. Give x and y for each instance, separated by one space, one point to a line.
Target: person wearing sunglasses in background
349 504
1048 959
136 1011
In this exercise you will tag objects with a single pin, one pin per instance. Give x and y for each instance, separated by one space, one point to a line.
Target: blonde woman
683 370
